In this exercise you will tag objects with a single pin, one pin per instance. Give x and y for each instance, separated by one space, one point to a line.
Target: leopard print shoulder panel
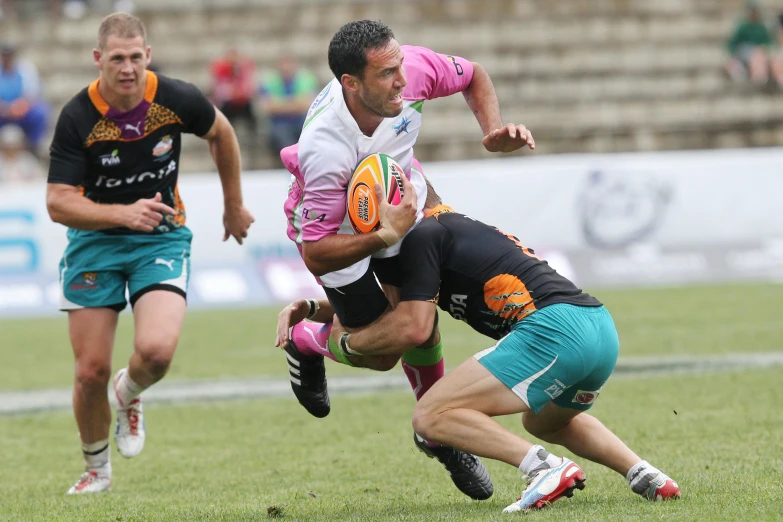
104 130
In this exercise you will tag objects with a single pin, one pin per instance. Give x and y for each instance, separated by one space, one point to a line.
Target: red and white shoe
661 487
548 485
130 432
90 482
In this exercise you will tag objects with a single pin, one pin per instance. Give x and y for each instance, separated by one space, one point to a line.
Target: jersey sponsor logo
311 215
402 126
135 128
163 147
458 306
585 397
457 66
107 182
110 160
508 297
169 263
555 390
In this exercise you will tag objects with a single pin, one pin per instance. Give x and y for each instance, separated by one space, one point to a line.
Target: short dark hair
349 46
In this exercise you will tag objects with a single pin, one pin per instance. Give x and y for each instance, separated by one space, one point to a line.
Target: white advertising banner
672 199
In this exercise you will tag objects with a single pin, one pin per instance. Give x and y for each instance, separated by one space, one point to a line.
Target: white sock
97 457
127 390
538 458
639 476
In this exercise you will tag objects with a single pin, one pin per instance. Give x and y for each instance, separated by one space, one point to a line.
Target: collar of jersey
149 93
437 211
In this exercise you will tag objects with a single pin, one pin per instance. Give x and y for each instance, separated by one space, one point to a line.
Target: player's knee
93 374
156 354
425 421
540 427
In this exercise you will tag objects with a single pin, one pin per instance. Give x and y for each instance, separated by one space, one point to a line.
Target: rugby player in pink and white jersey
374 104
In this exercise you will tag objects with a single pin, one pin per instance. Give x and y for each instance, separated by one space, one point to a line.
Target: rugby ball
362 205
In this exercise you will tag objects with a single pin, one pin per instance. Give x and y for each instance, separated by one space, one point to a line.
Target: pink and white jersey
331 145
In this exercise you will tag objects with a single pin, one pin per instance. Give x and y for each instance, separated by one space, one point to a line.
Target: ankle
97 457
536 459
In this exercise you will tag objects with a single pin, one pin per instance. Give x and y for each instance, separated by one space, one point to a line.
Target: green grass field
242 460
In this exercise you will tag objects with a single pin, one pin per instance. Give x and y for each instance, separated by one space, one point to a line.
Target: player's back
487 278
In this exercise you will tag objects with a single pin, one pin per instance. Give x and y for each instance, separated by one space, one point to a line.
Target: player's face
122 64
384 79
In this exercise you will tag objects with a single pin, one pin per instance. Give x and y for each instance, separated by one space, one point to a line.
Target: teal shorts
562 353
103 270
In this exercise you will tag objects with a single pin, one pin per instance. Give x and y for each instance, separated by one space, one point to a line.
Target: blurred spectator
17 164
233 87
19 96
750 46
286 94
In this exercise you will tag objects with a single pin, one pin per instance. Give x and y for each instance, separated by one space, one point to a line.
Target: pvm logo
109 160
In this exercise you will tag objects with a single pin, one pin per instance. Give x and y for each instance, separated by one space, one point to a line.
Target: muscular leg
582 434
158 317
458 411
92 337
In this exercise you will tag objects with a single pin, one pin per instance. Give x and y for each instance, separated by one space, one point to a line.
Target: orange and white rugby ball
362 203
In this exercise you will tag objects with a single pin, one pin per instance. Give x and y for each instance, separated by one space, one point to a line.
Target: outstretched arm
483 101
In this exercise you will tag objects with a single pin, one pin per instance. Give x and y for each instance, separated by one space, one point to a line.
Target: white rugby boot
90 482
130 432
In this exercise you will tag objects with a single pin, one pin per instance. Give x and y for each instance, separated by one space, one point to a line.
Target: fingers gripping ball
363 208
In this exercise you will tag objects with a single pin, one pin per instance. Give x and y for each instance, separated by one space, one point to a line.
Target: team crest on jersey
110 160
163 147
90 278
402 126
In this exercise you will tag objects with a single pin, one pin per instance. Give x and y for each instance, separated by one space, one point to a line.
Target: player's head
122 54
367 60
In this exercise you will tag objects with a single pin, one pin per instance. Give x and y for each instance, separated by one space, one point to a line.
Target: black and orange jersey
121 157
478 274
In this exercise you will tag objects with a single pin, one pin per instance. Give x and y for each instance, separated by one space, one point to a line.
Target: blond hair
122 25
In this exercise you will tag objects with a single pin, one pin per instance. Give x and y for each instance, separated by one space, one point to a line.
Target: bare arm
67 205
224 147
297 312
483 102
337 251
409 325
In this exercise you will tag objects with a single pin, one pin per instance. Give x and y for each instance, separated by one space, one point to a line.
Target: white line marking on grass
224 389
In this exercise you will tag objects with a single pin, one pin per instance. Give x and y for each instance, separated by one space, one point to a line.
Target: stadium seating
598 76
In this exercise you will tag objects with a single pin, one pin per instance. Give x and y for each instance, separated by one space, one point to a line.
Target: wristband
344 345
389 236
314 307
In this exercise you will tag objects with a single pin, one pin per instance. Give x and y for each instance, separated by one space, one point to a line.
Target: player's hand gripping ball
363 207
